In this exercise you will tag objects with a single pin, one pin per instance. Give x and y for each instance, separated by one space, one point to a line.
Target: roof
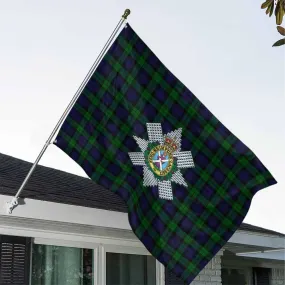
252 228
48 184
53 185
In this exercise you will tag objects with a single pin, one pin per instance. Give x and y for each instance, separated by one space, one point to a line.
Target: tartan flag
186 179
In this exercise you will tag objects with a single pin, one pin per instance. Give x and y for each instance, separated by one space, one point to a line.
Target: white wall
211 274
277 276
48 211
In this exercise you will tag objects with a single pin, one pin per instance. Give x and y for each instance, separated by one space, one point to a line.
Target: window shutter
171 279
261 276
14 260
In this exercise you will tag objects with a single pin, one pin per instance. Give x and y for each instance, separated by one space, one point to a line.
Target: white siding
277 276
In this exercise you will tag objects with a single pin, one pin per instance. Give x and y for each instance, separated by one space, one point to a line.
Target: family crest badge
162 159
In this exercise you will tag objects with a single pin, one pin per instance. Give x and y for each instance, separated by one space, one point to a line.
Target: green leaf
281 30
266 4
279 43
282 13
279 12
277 8
271 10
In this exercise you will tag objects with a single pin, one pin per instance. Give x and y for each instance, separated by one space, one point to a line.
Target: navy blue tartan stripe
131 87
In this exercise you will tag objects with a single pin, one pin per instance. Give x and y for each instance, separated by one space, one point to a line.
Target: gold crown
170 142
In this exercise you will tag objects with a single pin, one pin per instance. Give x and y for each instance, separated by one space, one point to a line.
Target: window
261 276
44 261
129 269
235 276
59 265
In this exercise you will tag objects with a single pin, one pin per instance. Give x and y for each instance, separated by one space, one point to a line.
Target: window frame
67 243
104 249
99 255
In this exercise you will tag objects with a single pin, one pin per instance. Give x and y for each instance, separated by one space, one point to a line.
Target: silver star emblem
162 159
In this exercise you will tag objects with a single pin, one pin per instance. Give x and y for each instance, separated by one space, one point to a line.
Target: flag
186 179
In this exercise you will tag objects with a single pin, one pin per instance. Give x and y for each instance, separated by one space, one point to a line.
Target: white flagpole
14 202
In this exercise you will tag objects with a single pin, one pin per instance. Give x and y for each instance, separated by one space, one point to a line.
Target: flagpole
14 202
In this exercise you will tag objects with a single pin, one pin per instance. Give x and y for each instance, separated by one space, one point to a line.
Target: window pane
129 269
58 265
234 276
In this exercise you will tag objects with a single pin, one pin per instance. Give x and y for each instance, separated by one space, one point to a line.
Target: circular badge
160 160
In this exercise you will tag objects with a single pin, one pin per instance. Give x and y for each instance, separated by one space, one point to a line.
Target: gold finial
126 14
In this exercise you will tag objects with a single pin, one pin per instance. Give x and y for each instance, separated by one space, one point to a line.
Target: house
68 230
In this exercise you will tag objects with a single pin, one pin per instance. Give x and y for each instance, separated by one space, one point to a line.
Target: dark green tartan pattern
130 88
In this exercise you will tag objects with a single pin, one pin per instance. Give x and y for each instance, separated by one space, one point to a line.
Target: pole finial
126 14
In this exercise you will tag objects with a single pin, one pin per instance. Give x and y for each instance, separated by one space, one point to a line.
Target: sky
221 50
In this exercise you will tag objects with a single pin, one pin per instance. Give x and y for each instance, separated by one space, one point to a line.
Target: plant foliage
278 8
